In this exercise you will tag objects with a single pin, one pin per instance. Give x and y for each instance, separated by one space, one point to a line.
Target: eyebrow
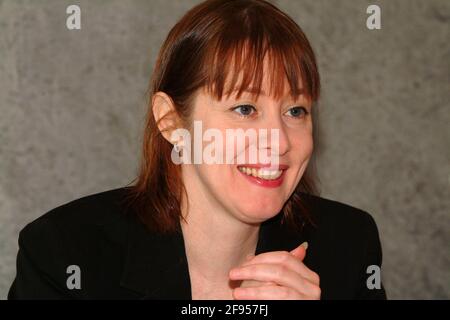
255 91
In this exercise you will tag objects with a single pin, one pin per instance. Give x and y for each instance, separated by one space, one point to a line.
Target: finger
300 251
286 259
254 283
267 293
277 273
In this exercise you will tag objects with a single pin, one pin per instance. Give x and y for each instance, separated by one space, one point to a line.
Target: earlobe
164 113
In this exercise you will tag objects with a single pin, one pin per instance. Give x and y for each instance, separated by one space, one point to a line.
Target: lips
264 175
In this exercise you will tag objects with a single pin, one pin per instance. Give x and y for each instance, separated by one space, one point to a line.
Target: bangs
242 55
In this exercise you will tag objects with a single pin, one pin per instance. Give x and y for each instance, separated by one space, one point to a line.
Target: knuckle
315 277
284 256
317 292
280 271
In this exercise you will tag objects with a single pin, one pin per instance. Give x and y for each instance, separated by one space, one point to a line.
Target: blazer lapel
156 264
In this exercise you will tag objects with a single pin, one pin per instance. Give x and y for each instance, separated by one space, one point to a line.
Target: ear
164 111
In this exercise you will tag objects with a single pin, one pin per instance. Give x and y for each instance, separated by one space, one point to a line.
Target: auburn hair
198 53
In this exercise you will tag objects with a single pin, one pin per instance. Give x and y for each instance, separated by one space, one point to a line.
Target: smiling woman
234 230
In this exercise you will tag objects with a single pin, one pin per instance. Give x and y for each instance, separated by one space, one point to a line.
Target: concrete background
72 106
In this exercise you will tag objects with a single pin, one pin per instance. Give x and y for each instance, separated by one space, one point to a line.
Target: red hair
214 40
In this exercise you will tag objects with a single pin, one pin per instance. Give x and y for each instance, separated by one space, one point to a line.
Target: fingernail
305 245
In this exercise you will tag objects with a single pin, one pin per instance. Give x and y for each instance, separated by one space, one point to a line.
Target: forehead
270 85
254 93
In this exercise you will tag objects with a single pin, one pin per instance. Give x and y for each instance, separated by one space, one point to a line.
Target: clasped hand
277 275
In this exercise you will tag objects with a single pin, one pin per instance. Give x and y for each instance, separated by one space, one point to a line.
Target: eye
298 112
244 110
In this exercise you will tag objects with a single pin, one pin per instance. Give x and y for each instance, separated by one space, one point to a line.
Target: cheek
209 174
303 146
301 152
215 178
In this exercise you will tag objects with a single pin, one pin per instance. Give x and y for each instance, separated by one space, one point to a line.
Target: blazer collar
156 265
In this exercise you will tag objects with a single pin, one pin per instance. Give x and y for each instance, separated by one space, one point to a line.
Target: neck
215 240
214 246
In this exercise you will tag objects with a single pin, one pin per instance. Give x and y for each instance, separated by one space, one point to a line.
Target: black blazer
120 259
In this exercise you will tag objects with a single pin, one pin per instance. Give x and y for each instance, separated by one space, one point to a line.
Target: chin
259 213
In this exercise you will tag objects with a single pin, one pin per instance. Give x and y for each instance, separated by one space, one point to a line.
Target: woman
209 229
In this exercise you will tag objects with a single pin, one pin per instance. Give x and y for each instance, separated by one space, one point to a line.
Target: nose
277 143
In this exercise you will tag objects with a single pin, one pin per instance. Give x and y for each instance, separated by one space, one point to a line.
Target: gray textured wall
72 106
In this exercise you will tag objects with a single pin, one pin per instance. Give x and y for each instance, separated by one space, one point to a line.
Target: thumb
300 251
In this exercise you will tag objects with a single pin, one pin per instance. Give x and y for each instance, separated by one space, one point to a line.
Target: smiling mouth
262 173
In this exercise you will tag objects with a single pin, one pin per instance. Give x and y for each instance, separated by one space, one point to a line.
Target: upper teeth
261 173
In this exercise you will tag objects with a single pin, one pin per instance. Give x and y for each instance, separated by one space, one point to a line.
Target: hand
277 275
254 283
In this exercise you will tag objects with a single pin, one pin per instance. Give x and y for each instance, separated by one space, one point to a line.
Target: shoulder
344 243
80 221
334 216
89 232
343 227
77 219
94 209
